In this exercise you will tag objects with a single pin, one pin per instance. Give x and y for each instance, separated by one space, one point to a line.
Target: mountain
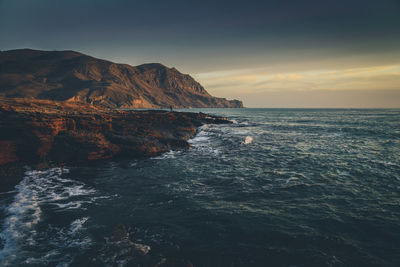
75 77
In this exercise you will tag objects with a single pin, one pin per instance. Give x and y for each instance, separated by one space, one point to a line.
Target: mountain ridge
75 77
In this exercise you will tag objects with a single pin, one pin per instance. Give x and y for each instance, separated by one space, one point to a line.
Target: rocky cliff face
34 131
75 77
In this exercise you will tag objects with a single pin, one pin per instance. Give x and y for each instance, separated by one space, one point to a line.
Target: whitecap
203 141
343 173
201 137
198 139
292 179
335 135
37 189
247 140
388 163
77 225
168 155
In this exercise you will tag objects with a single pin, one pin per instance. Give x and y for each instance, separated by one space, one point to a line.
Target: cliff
34 131
75 77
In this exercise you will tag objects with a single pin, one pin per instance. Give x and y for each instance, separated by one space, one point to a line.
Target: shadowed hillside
75 77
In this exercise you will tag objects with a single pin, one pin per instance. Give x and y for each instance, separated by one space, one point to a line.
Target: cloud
246 83
339 79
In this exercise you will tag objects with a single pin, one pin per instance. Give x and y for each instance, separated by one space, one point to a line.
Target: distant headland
75 77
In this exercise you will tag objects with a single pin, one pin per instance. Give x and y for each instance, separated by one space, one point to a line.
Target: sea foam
19 233
248 140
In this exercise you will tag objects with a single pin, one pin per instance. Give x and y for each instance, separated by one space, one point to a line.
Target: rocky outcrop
75 77
33 131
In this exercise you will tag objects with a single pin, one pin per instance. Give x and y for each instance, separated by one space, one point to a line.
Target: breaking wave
40 193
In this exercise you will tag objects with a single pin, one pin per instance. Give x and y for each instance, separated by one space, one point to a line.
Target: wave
167 155
202 136
39 192
203 142
248 140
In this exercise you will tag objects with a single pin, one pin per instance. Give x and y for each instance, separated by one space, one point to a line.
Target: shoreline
42 132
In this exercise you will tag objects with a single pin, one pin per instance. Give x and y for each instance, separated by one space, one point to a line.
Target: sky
271 53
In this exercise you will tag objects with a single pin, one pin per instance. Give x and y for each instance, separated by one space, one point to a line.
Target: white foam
198 139
248 140
202 142
201 137
61 238
25 213
201 145
389 163
77 225
168 155
342 173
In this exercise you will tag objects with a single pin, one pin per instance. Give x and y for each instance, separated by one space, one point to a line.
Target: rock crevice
33 131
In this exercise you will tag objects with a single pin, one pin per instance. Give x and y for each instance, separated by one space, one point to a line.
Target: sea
277 187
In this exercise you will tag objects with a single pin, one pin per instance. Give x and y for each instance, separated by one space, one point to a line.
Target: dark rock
10 175
37 131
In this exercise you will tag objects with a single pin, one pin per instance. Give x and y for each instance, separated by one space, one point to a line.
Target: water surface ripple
310 188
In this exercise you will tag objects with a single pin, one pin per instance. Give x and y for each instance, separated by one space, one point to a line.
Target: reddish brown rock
33 131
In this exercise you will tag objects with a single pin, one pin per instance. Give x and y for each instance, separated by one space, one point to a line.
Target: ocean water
278 187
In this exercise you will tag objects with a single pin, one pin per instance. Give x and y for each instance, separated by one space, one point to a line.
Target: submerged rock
121 249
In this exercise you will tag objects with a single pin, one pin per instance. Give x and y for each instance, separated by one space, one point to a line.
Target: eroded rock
33 131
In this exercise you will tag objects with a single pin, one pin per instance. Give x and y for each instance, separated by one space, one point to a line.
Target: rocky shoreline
41 131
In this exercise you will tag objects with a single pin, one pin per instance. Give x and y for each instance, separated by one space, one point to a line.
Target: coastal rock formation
75 77
33 131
